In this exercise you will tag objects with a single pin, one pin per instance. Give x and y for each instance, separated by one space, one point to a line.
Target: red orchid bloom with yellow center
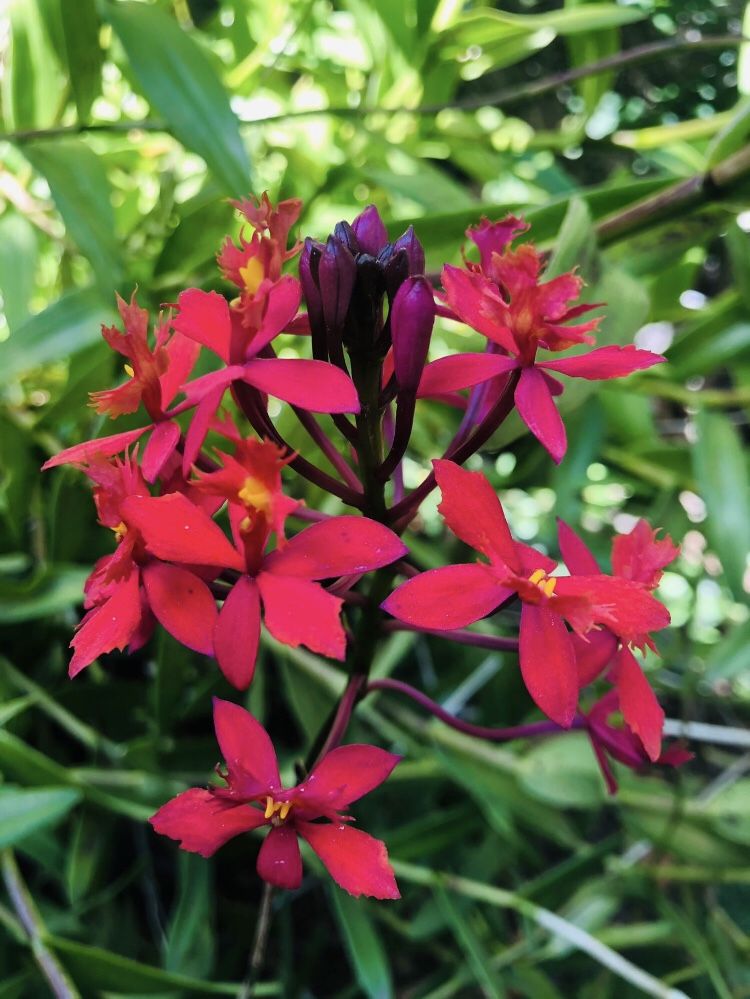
505 298
454 596
202 820
297 610
155 376
129 589
641 557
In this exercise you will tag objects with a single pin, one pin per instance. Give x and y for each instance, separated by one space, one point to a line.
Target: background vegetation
126 127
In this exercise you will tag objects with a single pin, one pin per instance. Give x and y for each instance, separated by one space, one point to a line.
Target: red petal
358 863
182 604
640 556
337 547
315 385
200 424
109 626
640 709
177 531
594 653
298 612
548 663
476 301
282 303
237 633
247 750
279 860
626 608
605 362
538 411
160 448
203 316
183 353
460 371
202 822
446 598
575 552
344 775
103 447
473 512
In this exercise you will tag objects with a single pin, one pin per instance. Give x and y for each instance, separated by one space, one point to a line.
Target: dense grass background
126 127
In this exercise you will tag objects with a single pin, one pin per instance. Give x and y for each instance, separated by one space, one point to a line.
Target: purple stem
462 635
355 689
259 419
402 513
478 731
325 444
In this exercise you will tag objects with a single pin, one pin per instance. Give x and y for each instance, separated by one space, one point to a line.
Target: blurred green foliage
126 126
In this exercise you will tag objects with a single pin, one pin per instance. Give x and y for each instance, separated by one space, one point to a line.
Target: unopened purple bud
309 262
370 232
346 235
414 250
412 319
336 275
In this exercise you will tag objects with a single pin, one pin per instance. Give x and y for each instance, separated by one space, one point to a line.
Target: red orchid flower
202 820
250 481
127 589
504 298
622 744
155 377
206 317
297 610
255 265
454 596
638 556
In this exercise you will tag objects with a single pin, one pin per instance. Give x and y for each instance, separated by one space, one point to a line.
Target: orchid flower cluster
200 534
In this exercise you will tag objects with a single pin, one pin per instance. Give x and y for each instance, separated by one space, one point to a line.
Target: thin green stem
25 908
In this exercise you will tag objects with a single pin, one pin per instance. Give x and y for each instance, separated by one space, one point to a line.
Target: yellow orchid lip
276 811
120 530
255 494
544 582
252 275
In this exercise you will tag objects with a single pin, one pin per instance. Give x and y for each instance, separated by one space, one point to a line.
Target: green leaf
80 188
30 76
179 80
563 772
732 136
721 472
24 811
67 326
575 245
363 945
18 258
102 969
189 948
469 942
738 245
56 590
81 25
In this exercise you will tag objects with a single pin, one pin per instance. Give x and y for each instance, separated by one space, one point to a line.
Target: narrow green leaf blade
81 190
69 325
721 471
180 82
363 945
24 811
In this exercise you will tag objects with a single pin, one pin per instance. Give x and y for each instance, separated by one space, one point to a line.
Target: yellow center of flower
120 531
252 274
255 494
129 370
276 811
544 582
